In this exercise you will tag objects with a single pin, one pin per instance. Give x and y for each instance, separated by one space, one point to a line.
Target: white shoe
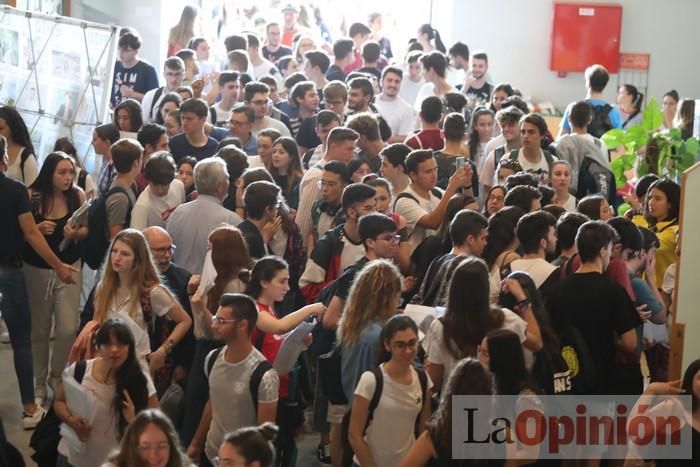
31 421
5 337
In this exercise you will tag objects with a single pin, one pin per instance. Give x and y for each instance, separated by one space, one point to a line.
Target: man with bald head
176 279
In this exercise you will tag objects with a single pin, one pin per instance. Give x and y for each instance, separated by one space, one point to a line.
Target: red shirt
426 139
270 347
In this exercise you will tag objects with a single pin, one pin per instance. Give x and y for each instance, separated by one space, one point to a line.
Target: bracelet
521 306
168 346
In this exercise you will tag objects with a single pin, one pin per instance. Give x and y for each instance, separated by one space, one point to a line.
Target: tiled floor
11 411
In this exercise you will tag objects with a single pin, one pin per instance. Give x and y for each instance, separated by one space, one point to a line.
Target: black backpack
46 436
156 96
97 242
577 355
373 403
595 178
601 122
329 367
255 378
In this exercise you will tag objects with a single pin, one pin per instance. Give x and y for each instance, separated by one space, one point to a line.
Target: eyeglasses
163 251
400 345
391 238
219 320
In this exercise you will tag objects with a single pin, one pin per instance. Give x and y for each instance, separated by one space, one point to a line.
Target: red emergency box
584 34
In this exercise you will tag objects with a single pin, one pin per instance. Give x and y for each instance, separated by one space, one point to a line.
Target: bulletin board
57 72
685 329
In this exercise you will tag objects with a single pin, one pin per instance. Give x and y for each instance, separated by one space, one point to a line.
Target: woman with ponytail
429 38
120 388
629 102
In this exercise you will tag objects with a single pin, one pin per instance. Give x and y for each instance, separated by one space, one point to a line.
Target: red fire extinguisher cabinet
584 34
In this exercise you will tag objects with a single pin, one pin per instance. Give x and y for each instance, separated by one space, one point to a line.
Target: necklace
122 303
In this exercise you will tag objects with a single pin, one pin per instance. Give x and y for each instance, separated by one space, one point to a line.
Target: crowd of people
322 189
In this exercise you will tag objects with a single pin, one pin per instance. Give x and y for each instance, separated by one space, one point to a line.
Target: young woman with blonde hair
130 286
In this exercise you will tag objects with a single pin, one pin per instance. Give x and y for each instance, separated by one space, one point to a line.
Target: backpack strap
498 154
378 388
212 114
212 360
423 380
146 308
548 156
22 159
404 195
156 96
259 340
255 380
79 370
513 155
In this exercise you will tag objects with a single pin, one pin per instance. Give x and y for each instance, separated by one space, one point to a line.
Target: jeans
15 312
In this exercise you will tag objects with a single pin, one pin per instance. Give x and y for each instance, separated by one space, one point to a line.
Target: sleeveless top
69 255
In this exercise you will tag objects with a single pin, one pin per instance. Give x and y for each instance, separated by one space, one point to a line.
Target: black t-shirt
141 77
14 201
335 73
180 147
253 237
447 164
601 310
307 137
344 282
274 56
371 71
482 95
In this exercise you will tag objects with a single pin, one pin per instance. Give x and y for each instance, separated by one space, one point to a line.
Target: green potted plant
649 149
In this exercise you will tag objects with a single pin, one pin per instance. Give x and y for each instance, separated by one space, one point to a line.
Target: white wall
516 35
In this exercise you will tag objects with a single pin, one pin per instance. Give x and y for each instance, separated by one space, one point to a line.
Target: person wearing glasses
404 401
174 73
241 125
162 195
229 407
257 96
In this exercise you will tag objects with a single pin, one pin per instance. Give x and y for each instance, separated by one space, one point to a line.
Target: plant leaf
674 133
613 138
619 170
692 146
653 116
636 134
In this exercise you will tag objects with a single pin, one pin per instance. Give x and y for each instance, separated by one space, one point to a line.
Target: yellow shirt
666 253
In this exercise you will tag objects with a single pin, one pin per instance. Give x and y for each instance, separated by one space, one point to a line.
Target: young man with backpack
421 204
605 116
587 155
174 72
593 315
508 119
236 363
120 199
531 156
230 90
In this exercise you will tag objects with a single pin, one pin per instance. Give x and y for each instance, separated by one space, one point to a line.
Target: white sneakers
31 421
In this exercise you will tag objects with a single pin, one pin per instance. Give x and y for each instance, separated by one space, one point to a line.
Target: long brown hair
183 31
128 454
294 171
370 299
145 274
229 254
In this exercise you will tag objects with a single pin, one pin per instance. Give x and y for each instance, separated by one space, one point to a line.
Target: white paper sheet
292 346
81 404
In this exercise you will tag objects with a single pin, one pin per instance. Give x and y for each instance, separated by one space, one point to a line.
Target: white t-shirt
398 114
538 268
412 212
436 350
410 89
90 185
222 115
229 392
161 303
269 122
148 107
570 205
103 435
390 433
266 67
539 169
152 210
31 169
427 90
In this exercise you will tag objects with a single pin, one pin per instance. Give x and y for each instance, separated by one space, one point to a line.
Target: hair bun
268 430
